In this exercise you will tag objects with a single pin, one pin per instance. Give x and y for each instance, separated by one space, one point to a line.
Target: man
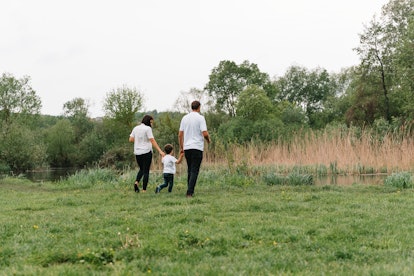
193 131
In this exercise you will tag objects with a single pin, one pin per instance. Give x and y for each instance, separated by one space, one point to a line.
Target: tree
76 111
77 107
308 89
376 55
228 80
61 144
385 47
183 102
21 148
122 104
401 18
17 98
254 104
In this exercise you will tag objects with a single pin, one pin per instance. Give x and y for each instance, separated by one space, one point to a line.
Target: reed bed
332 152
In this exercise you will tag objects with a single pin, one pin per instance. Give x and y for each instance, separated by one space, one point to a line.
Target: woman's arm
155 145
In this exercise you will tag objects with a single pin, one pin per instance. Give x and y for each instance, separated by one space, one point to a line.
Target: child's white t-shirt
169 162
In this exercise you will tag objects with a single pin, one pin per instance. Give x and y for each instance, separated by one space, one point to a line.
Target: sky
88 48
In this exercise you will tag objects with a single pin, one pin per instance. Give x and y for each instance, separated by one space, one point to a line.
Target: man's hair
147 120
195 105
168 148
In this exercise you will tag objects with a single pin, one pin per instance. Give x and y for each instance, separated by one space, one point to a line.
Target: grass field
94 224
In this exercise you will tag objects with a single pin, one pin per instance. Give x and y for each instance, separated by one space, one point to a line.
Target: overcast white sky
86 48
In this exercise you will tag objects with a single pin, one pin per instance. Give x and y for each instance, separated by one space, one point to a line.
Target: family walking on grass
191 136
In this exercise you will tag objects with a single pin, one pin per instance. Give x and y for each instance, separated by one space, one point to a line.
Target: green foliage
77 112
309 89
228 80
113 133
292 115
75 108
239 130
92 147
21 148
122 104
253 104
17 98
386 63
274 179
60 140
165 129
118 157
401 180
88 178
292 179
296 179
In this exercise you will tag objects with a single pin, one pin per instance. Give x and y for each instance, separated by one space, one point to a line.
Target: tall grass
327 152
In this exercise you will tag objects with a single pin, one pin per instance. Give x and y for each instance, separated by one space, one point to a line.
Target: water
57 174
53 174
371 179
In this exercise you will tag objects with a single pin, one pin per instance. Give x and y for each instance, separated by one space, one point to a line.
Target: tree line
241 104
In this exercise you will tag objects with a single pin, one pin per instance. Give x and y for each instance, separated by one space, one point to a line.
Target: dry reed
342 153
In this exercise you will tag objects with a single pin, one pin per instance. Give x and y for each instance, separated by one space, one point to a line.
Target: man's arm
206 136
181 140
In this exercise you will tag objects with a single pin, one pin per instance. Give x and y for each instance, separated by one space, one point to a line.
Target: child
169 170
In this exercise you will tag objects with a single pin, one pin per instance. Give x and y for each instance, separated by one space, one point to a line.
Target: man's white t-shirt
169 162
142 135
193 124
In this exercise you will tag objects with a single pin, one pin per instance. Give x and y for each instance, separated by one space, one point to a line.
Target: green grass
232 226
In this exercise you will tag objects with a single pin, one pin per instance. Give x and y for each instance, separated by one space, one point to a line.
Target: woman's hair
147 120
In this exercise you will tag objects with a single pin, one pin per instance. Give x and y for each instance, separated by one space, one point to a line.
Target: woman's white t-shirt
142 135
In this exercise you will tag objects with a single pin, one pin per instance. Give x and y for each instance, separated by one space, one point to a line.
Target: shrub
91 177
293 179
401 180
274 179
118 158
296 179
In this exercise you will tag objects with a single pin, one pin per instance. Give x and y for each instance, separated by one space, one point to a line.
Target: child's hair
168 148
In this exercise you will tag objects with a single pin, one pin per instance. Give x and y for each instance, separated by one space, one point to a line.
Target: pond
56 174
52 174
339 180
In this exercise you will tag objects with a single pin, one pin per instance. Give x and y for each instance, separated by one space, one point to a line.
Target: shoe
157 190
136 189
189 195
144 191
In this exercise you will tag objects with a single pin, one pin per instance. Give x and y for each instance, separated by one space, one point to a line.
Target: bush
296 179
400 180
118 158
90 178
293 179
274 179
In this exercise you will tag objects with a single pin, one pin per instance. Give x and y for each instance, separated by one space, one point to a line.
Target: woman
143 140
